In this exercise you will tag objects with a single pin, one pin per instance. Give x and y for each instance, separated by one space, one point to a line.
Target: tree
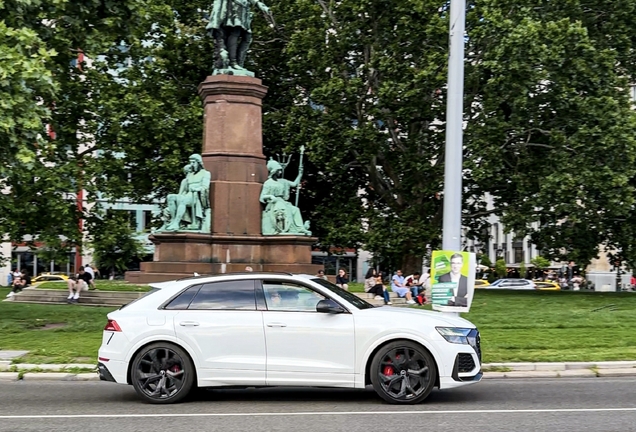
545 85
540 262
500 268
362 83
45 111
114 242
485 260
548 99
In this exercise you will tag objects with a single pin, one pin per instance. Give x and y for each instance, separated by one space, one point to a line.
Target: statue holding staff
280 216
230 24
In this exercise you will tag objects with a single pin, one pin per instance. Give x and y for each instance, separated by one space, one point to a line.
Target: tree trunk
411 264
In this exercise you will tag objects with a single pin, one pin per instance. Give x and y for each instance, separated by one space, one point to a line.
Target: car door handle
276 324
189 324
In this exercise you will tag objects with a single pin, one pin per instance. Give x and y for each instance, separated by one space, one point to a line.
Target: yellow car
481 283
548 286
48 277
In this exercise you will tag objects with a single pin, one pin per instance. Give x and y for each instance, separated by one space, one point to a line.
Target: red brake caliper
389 370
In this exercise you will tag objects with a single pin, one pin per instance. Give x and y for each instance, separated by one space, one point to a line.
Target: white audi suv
279 329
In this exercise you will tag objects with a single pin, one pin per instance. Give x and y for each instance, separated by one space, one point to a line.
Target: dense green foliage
46 113
360 83
114 243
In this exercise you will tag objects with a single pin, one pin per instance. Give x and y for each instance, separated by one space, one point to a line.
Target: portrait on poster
453 280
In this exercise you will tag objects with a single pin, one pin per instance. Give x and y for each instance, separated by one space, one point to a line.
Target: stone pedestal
233 153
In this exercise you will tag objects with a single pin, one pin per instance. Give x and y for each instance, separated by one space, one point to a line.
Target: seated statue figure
189 210
280 216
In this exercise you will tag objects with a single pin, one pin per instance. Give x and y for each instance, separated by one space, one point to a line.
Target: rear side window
152 291
183 300
227 295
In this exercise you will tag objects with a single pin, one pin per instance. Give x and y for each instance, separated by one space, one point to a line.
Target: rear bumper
113 371
104 373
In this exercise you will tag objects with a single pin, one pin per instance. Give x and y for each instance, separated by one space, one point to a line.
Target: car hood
443 319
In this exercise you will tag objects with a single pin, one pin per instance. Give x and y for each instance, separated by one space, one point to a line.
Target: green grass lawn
554 325
515 326
100 285
27 327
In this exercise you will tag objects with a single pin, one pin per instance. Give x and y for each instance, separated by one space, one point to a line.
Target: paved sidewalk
78 372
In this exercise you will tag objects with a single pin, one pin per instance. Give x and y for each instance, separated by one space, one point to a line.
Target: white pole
452 227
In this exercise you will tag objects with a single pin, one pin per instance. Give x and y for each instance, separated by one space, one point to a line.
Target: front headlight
454 334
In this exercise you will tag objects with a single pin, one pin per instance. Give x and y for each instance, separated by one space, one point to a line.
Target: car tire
162 373
403 372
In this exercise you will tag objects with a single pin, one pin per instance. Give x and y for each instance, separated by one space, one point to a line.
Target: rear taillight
112 326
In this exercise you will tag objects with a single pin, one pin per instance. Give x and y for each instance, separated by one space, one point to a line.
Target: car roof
227 276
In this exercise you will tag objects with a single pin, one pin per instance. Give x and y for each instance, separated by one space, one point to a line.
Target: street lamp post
453 158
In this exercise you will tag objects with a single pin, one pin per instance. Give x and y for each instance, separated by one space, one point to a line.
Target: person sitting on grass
17 286
414 283
80 283
73 290
398 286
19 283
342 280
372 286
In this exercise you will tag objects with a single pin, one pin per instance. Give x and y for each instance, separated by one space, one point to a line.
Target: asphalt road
587 404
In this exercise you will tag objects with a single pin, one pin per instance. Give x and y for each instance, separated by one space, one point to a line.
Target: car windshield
350 297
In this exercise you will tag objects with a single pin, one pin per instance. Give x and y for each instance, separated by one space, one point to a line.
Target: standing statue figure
281 217
189 210
231 27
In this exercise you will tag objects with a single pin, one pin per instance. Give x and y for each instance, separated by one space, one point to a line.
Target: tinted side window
228 295
286 296
183 300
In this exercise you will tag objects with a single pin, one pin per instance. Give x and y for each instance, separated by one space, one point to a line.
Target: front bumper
466 366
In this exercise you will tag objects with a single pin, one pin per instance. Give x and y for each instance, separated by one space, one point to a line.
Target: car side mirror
329 306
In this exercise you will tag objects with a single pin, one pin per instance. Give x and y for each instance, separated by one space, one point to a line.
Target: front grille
475 341
465 362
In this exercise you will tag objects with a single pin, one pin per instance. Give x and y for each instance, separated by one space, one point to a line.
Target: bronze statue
189 210
280 216
230 24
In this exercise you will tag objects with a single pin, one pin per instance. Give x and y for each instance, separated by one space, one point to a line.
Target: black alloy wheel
403 373
162 373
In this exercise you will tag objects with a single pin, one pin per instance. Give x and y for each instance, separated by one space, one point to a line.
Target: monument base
179 255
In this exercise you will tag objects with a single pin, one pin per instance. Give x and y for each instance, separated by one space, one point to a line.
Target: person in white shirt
88 269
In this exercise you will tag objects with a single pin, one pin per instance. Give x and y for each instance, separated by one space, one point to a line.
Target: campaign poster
452 280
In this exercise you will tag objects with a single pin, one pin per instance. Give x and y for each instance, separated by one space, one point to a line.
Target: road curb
557 366
47 376
580 373
9 376
7 366
518 370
